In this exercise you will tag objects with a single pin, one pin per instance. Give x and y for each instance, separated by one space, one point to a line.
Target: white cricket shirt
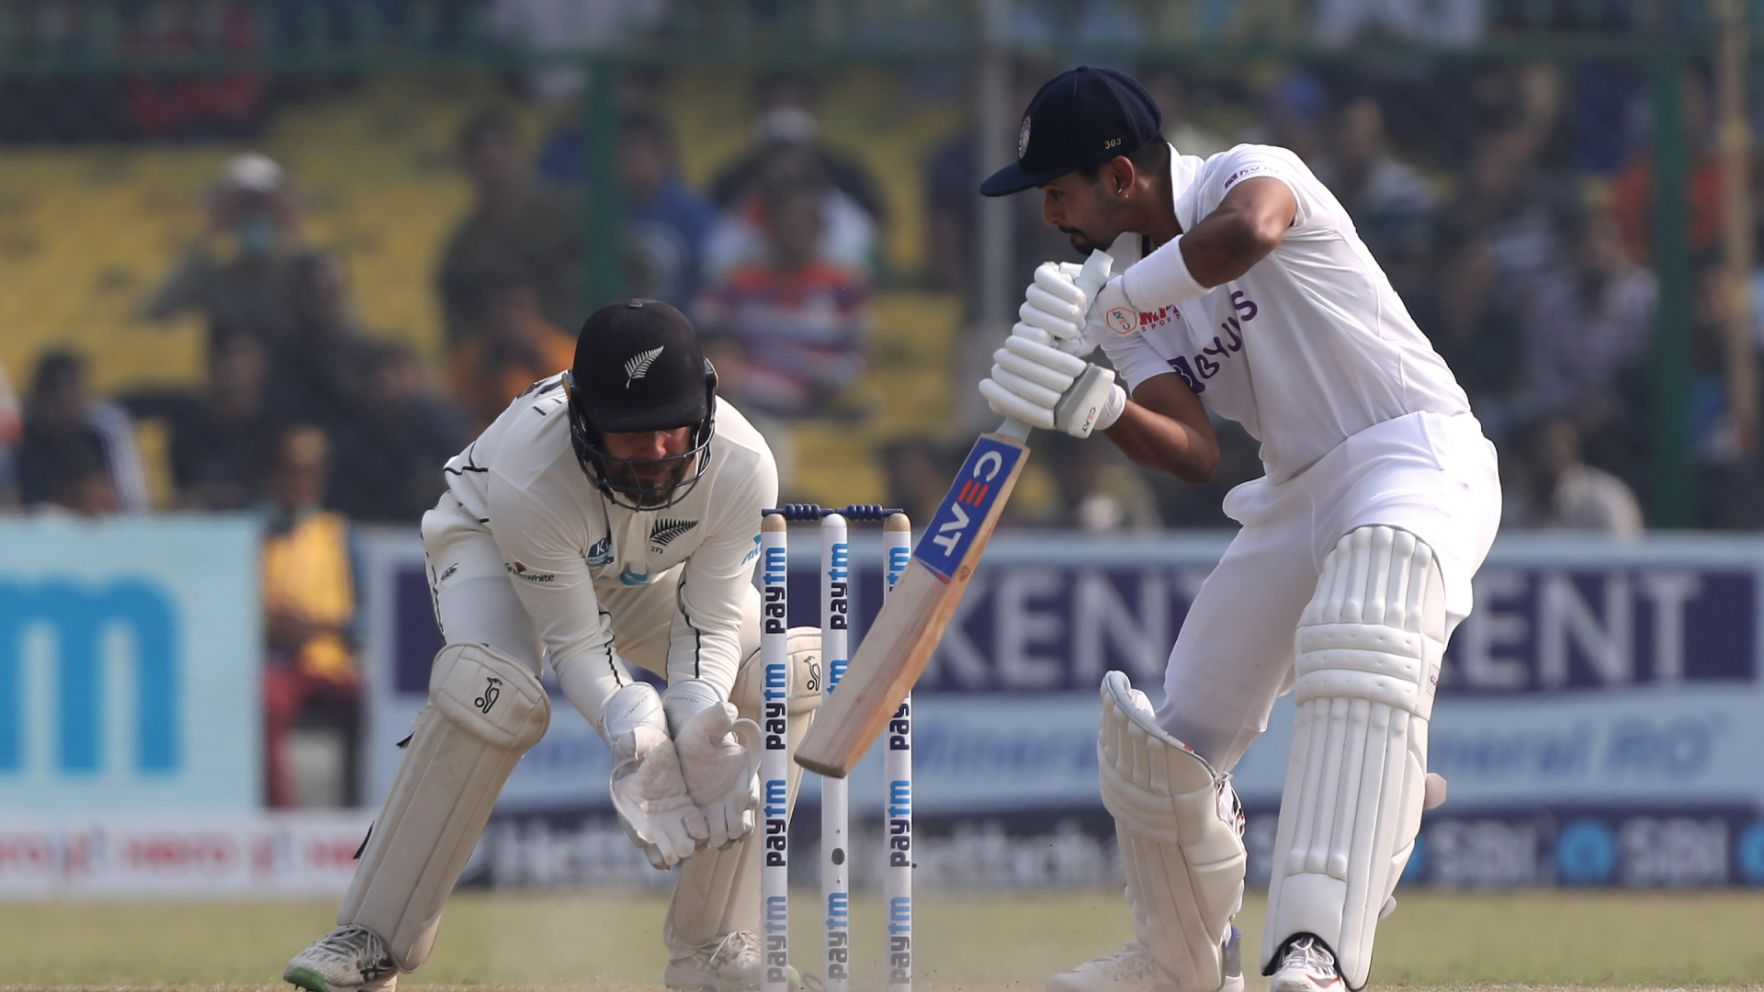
561 540
1308 347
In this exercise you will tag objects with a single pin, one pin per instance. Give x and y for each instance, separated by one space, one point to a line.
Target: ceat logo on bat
945 543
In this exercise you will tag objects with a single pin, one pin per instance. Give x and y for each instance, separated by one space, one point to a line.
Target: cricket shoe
348 959
1307 965
1133 969
730 963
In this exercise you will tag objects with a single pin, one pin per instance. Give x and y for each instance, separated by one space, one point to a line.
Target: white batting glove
647 786
1042 386
1056 306
720 759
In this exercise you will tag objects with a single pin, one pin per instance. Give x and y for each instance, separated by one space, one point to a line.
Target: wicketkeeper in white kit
609 517
1242 290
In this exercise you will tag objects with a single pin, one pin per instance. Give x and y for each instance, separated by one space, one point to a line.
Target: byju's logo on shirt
1225 344
664 530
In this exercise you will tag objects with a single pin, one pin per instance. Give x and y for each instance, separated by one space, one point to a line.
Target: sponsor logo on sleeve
522 572
599 553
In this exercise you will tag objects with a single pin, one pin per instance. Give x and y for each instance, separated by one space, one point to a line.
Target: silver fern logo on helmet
637 366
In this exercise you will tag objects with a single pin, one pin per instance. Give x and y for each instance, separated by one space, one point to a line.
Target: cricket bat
899 644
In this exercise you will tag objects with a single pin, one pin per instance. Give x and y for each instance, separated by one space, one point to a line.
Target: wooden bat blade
900 643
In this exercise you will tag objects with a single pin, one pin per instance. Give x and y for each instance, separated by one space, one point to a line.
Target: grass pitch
963 943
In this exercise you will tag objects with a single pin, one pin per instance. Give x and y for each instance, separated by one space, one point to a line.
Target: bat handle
1095 272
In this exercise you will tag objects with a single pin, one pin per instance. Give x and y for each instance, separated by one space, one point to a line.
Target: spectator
64 425
1293 112
1632 193
1101 494
316 365
916 471
667 223
309 597
82 485
1585 324
237 275
58 107
1504 201
400 432
511 347
541 27
11 432
1458 23
1730 477
203 104
786 123
516 225
1474 324
1390 200
1182 126
218 436
795 318
952 222
847 235
1555 489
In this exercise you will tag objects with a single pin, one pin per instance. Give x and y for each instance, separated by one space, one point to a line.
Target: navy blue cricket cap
1079 118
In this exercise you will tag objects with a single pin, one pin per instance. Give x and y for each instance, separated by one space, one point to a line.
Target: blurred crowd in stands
1510 202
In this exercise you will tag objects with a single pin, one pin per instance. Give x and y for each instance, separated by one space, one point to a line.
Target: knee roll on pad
1369 646
485 710
1180 832
806 673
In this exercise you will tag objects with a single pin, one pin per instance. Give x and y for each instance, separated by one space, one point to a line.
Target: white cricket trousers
1432 475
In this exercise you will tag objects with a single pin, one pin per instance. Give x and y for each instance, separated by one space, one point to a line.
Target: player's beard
649 483
1082 244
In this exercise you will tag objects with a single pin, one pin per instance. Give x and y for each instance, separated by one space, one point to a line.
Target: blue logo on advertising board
78 619
968 501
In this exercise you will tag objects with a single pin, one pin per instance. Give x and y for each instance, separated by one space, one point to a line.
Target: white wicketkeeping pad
485 710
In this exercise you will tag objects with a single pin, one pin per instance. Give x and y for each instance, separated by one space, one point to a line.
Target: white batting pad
1181 837
485 710
1368 651
718 892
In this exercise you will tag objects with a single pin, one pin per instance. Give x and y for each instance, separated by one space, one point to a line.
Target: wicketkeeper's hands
719 758
648 789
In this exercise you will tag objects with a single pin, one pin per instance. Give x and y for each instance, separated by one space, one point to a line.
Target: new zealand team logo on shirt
663 532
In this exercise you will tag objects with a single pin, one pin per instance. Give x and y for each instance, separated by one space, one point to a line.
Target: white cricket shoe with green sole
348 959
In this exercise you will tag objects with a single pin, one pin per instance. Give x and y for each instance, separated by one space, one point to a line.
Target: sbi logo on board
77 626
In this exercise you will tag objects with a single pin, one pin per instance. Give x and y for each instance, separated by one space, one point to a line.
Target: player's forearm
1164 444
1226 244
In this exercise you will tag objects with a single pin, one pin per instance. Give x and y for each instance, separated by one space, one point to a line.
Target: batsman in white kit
609 517
1241 290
